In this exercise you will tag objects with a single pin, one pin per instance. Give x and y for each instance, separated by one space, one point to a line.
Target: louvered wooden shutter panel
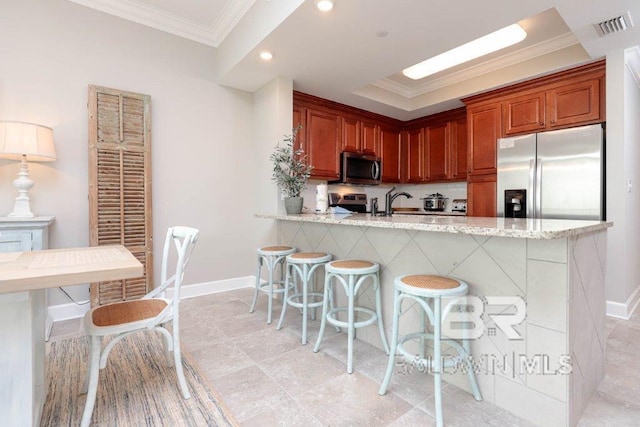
120 185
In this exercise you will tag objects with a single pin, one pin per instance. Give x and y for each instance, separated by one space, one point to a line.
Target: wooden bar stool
351 274
422 289
303 265
271 256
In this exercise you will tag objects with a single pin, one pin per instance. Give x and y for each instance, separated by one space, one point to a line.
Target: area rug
136 388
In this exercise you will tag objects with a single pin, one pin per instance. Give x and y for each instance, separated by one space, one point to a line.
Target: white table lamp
25 141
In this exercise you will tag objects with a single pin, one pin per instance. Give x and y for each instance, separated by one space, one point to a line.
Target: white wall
623 204
202 142
632 170
273 104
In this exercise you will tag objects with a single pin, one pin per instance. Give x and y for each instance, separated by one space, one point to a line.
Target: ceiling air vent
614 25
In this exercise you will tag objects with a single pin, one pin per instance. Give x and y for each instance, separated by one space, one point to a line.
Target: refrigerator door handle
538 190
531 203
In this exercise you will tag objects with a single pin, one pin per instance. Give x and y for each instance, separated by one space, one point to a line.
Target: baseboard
67 311
199 289
624 310
73 311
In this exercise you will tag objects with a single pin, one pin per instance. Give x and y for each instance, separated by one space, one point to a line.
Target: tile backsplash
450 190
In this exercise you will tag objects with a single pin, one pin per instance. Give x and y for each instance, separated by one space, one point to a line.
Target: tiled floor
267 377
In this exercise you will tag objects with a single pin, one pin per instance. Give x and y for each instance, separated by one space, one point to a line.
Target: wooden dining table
24 279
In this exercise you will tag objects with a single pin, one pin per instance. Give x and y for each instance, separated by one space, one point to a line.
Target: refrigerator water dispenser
515 203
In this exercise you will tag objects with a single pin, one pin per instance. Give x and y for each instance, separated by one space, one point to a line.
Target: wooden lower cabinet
391 154
481 196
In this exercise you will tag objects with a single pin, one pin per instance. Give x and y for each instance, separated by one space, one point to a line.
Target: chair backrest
183 239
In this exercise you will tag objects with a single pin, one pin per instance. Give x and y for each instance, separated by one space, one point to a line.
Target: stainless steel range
355 202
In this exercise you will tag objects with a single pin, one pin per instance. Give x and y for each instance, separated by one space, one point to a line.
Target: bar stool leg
270 302
323 319
383 335
470 373
397 303
423 329
351 329
305 301
289 269
437 360
255 294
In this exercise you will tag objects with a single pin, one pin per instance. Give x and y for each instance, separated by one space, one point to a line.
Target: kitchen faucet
389 198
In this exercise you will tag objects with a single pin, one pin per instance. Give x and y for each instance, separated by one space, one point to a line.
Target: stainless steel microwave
360 169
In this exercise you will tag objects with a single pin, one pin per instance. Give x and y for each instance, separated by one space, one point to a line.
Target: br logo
468 323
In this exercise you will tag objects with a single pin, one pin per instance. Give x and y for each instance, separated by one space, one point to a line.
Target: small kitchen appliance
459 205
355 202
434 202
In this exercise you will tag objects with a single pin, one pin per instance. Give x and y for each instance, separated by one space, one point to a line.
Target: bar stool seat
424 289
303 265
271 256
351 274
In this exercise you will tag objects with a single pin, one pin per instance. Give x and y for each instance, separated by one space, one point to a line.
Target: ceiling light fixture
265 55
324 5
474 49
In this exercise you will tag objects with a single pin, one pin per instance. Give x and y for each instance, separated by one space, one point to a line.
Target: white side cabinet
23 318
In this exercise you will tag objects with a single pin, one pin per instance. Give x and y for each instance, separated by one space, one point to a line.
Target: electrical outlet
629 186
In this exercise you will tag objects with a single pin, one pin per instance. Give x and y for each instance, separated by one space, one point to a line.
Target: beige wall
203 164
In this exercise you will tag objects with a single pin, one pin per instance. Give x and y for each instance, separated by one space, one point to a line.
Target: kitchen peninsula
545 375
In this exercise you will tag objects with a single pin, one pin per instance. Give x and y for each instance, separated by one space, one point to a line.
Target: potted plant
290 171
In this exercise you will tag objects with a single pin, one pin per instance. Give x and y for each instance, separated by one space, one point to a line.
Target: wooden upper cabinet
459 150
370 141
391 154
351 132
560 106
524 114
437 152
323 143
574 104
484 124
359 136
414 143
300 119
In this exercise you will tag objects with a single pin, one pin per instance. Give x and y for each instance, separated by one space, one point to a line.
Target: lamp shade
18 139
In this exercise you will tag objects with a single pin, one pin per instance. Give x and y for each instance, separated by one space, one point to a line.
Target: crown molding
539 49
211 35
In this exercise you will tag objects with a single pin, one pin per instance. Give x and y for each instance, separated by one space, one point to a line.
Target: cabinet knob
541 123
553 121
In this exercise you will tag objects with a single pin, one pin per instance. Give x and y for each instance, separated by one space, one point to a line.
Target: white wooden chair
150 313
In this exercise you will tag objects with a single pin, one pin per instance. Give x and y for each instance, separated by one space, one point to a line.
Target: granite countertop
501 227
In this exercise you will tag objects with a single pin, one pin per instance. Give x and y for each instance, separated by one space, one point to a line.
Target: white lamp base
23 184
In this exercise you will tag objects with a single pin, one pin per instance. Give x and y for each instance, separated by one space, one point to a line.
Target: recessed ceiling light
265 55
474 49
324 5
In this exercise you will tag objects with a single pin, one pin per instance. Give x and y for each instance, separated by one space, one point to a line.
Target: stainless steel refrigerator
558 174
